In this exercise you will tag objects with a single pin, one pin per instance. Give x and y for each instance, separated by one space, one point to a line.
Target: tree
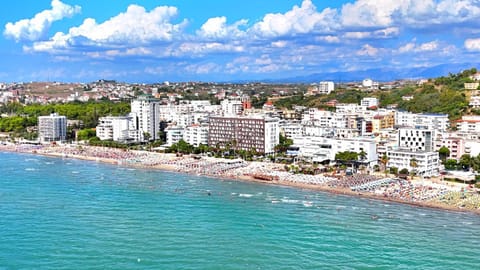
146 136
394 170
362 155
384 161
414 165
444 153
465 162
451 164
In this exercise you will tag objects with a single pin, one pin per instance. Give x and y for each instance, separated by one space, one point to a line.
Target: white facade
369 102
474 102
174 134
231 107
428 120
118 128
196 135
416 139
428 163
272 134
325 87
291 130
52 128
319 149
469 124
146 110
350 108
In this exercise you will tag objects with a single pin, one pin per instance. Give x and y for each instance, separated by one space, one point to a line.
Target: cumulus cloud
299 20
136 26
217 28
423 47
34 28
472 44
410 13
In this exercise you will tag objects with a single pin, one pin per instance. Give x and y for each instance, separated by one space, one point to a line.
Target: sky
219 40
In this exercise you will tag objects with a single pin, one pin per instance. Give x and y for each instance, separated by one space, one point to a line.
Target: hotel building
52 128
244 133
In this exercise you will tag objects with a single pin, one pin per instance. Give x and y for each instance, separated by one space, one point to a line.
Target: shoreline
174 164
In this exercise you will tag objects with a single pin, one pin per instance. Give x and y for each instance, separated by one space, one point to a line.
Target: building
144 109
117 128
474 102
232 107
428 120
52 128
323 149
469 124
456 146
416 139
471 85
196 134
422 163
326 88
244 133
174 134
369 102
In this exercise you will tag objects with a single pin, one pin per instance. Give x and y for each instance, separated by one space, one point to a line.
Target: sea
71 214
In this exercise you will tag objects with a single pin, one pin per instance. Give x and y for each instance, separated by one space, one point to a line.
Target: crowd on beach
382 187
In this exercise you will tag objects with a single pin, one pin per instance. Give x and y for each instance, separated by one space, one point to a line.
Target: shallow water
71 214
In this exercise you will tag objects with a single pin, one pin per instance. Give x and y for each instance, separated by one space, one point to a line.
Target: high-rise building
244 133
52 128
145 111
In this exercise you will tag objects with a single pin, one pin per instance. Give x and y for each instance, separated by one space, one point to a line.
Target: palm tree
384 161
414 165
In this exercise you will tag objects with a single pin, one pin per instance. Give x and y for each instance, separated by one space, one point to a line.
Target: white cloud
423 47
368 50
35 28
409 13
134 27
299 20
217 28
472 44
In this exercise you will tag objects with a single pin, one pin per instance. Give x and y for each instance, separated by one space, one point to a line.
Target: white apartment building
196 134
244 133
52 128
469 124
321 149
428 120
369 102
428 163
291 130
145 109
474 102
232 107
117 128
350 108
416 139
326 87
174 134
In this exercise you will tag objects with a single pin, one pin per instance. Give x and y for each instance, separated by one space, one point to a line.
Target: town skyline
83 41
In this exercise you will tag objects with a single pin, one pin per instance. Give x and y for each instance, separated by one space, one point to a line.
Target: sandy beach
432 194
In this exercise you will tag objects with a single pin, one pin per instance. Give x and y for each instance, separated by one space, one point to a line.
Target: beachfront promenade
421 192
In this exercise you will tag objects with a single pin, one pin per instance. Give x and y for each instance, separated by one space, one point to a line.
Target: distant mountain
380 74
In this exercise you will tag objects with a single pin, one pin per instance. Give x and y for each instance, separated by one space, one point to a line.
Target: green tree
451 164
444 153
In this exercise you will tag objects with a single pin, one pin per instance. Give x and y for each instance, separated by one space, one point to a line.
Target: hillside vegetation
441 95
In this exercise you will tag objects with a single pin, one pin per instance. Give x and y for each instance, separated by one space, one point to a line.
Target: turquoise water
71 214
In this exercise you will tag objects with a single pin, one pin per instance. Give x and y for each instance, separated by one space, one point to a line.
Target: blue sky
218 40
